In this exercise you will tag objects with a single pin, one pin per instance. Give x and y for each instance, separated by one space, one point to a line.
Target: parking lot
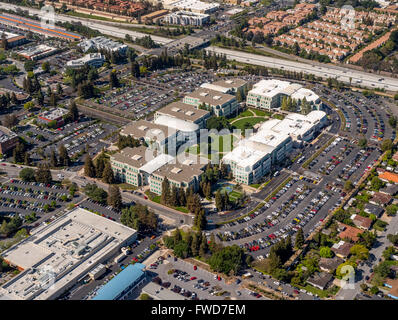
198 283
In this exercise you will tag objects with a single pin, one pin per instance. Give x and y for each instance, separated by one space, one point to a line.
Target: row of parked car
272 219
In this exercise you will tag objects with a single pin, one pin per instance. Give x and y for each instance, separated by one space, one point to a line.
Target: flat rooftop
269 88
53 114
211 97
230 83
157 292
60 253
6 134
183 171
142 128
183 111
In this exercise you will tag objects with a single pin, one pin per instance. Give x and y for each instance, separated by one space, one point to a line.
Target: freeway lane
317 69
105 29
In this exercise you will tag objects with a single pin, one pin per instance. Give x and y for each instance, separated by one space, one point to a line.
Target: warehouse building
57 255
268 94
91 59
187 18
274 140
38 52
123 284
219 103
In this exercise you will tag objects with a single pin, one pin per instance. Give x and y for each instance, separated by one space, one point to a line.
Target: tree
299 239
73 111
53 99
135 69
10 120
114 197
53 159
95 193
64 159
181 249
27 175
348 186
43 174
376 183
362 143
325 252
173 196
89 169
230 258
45 66
219 201
203 246
165 197
195 244
386 145
342 269
140 218
107 175
113 79
391 210
360 252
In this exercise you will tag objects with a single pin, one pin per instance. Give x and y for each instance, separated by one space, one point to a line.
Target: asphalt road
320 70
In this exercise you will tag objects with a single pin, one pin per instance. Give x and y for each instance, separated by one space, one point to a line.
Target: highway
105 29
320 70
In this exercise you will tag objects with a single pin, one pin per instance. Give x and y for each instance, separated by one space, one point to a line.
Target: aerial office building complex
253 156
268 94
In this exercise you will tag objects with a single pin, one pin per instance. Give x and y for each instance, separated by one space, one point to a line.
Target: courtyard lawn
243 114
248 123
261 113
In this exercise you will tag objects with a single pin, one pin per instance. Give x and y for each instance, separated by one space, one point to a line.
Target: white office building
100 42
274 140
92 59
187 18
268 94
192 5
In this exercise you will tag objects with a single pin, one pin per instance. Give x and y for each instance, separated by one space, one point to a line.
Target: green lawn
278 116
247 123
234 195
245 113
256 185
261 113
156 198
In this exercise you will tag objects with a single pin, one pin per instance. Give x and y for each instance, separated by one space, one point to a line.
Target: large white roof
176 123
308 94
157 162
269 88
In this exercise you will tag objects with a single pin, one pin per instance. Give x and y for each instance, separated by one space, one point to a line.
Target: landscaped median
155 198
280 187
316 154
342 118
260 205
